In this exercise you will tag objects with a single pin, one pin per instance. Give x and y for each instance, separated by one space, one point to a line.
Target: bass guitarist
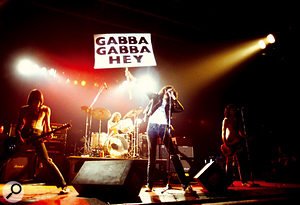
33 121
234 147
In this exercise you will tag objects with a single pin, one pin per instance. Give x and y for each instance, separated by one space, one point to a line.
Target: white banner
123 50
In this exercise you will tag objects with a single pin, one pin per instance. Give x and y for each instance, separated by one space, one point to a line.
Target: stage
265 193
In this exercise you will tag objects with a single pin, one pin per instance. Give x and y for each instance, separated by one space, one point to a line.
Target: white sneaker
65 190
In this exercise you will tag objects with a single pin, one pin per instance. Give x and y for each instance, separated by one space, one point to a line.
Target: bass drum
117 146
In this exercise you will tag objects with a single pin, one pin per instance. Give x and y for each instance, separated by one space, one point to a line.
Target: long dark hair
165 88
35 95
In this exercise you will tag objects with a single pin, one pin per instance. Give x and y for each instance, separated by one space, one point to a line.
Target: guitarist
233 146
34 120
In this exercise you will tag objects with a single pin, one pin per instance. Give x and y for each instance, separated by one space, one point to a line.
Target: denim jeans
155 131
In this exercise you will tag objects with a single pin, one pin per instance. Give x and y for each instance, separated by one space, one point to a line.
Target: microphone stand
168 186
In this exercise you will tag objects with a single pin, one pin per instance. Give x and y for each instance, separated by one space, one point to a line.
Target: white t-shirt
159 116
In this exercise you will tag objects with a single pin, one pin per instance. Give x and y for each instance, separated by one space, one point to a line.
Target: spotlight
52 72
75 82
27 67
270 38
83 83
262 44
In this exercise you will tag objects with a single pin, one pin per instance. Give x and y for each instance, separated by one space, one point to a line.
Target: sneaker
148 188
188 191
64 190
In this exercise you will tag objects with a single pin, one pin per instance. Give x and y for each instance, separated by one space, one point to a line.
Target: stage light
209 67
262 44
75 82
68 80
52 72
147 84
83 83
27 67
96 85
270 38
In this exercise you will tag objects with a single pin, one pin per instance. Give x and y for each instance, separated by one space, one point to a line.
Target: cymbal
134 112
86 109
101 113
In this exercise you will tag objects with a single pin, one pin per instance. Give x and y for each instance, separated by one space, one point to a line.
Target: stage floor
265 193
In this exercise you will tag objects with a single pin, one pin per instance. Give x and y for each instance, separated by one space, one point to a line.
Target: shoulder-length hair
35 95
167 87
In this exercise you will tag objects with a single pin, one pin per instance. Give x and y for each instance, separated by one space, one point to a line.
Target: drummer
113 124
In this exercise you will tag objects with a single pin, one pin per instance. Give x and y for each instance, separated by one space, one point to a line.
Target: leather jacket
156 101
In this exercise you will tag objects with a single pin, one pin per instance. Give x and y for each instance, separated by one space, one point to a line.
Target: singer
158 113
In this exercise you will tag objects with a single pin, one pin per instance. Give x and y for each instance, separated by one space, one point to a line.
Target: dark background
59 34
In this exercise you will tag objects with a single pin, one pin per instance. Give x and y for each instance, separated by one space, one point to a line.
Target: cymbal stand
135 137
88 124
168 186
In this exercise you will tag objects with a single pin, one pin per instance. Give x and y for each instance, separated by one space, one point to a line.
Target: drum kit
100 144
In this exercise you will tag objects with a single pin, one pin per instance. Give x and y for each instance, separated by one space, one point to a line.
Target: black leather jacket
156 101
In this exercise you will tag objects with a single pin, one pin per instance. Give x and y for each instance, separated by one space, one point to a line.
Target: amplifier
55 147
20 168
186 156
60 135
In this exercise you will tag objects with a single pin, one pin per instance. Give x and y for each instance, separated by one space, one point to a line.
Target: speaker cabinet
19 168
213 178
187 156
110 179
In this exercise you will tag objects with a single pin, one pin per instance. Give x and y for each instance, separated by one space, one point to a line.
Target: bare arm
224 127
47 126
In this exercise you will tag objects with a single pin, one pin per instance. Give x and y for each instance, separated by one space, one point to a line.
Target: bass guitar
31 135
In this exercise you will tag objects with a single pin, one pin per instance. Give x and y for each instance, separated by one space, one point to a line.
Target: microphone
171 94
105 86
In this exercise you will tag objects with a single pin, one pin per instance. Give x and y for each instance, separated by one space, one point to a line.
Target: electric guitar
32 135
11 144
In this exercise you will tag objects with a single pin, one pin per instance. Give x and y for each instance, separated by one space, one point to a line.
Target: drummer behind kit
125 144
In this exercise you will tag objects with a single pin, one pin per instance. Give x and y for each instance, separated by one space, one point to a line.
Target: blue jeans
155 131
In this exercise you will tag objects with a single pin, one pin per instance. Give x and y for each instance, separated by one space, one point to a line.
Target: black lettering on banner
122 40
126 59
112 50
145 49
100 41
123 49
143 40
132 40
100 51
112 59
138 58
133 49
111 40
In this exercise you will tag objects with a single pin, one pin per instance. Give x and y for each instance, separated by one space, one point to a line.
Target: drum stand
135 138
87 136
88 125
